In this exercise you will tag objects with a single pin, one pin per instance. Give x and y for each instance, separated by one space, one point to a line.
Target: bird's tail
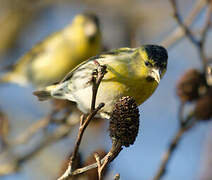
11 77
5 78
44 94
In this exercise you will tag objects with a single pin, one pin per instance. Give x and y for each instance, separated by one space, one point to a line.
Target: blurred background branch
187 80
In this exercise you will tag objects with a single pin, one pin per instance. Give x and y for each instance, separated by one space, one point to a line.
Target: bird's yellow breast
128 79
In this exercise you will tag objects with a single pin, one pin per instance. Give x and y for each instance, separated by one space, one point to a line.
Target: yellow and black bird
134 72
50 60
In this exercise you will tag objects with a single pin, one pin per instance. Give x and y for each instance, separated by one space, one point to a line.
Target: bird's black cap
93 17
157 53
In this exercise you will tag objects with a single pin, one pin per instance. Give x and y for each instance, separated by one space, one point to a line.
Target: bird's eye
147 63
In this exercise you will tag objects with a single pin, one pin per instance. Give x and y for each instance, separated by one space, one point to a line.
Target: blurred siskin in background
50 60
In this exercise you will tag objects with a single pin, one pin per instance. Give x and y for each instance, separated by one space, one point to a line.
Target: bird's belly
106 95
110 92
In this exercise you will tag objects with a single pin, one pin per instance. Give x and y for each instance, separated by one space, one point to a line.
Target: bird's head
154 59
89 23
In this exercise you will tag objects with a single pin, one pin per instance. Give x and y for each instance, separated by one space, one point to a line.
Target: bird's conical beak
155 74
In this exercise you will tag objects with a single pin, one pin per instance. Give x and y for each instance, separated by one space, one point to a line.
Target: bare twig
98 161
87 168
188 122
84 124
181 112
61 132
82 128
97 77
4 130
199 43
186 29
100 72
171 149
34 128
205 30
111 155
40 124
179 33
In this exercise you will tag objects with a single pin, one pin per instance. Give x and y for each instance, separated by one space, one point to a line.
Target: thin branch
96 79
100 72
181 112
4 130
40 124
186 29
188 122
61 132
98 161
111 155
204 34
172 147
30 132
81 131
82 128
178 33
87 168
199 44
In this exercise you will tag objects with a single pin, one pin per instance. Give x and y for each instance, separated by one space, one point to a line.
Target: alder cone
124 121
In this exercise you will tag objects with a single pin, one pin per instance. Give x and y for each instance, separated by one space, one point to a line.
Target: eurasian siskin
134 72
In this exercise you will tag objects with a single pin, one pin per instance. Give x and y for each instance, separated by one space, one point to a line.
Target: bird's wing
103 57
80 66
78 82
37 50
120 51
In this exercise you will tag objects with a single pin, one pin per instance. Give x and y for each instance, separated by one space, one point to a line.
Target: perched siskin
50 60
134 72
